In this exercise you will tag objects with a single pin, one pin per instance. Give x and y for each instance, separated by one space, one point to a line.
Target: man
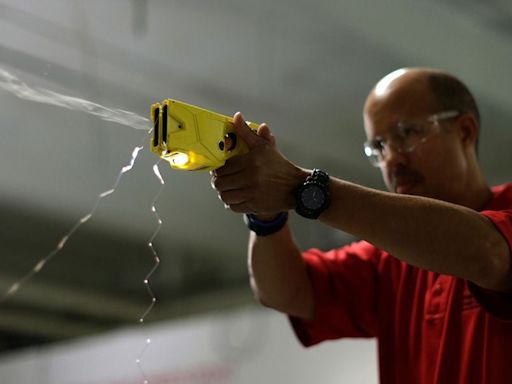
433 278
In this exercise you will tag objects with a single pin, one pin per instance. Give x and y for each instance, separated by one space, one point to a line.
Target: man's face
436 167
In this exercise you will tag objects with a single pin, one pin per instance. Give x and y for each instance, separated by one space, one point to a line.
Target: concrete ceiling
303 67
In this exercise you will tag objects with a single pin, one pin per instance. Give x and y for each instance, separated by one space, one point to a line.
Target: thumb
264 131
245 133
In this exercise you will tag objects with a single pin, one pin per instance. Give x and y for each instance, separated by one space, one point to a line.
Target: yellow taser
192 138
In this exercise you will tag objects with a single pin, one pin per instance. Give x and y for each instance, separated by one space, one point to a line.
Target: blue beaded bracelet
265 228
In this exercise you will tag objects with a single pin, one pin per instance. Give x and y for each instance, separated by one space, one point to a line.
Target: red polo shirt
431 328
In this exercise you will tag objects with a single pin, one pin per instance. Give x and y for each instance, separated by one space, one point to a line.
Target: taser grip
192 138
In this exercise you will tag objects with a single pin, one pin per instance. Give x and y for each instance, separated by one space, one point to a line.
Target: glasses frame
376 156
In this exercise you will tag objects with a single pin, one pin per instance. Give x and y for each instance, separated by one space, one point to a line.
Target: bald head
439 90
400 77
426 89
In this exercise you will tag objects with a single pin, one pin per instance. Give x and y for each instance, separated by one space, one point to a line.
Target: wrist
264 217
296 179
265 228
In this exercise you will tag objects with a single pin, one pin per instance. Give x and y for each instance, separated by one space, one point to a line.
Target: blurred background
303 67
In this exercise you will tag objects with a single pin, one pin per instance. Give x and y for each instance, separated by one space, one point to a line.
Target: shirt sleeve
344 287
498 304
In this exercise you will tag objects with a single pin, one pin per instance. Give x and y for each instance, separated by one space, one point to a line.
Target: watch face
313 197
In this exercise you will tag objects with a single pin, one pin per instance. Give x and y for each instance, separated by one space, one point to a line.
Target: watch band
320 176
265 228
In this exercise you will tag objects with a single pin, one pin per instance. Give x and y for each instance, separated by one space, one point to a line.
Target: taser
191 138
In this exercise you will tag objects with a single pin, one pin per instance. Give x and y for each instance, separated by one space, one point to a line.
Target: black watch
312 197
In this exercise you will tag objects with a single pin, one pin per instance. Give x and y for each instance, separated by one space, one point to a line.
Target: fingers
222 183
232 188
240 181
239 208
235 197
245 133
232 166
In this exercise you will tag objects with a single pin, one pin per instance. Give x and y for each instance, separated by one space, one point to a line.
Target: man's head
423 124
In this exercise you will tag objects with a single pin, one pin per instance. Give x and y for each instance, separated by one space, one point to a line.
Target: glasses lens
405 136
409 135
373 153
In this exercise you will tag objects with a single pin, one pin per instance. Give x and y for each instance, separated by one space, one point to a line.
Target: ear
468 129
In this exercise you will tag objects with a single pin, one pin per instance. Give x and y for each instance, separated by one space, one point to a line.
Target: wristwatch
313 197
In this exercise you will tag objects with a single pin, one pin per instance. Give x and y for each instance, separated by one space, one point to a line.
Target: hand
261 181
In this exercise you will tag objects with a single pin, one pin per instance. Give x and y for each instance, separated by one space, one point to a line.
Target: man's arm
428 233
278 274
277 270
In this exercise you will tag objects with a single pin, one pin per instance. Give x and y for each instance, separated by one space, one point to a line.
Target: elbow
298 305
495 267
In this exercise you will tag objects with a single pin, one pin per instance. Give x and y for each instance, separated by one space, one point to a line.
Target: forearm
278 274
427 233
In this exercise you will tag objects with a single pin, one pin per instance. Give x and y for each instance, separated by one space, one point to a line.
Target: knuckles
214 182
236 208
